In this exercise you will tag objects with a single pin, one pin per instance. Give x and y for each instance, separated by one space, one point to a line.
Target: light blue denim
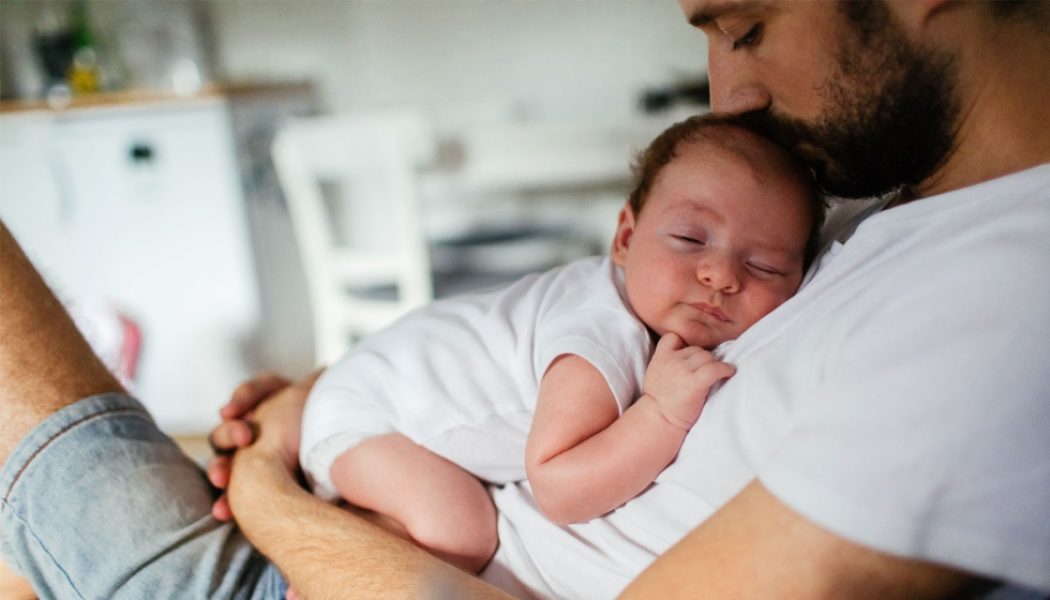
98 503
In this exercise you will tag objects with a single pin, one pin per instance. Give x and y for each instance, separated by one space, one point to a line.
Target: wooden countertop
209 92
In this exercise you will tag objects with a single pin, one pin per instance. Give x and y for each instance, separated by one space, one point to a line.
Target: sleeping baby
584 379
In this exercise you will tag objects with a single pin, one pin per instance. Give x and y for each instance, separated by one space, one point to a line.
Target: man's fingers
221 509
218 471
248 394
230 435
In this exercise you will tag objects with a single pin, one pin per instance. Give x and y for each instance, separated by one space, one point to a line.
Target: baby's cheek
764 301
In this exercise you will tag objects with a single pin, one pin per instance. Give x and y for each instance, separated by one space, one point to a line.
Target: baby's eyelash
765 269
685 238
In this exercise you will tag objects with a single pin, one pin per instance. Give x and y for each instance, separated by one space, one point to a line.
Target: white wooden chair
371 237
374 249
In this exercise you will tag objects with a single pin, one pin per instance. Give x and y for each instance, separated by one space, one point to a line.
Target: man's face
842 85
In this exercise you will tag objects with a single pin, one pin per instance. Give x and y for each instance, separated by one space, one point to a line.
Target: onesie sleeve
612 340
928 435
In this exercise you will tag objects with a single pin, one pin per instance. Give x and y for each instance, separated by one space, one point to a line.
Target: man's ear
622 239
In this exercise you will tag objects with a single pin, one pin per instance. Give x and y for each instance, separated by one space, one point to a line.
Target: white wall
464 59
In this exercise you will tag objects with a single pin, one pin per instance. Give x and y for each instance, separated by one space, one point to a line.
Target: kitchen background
135 154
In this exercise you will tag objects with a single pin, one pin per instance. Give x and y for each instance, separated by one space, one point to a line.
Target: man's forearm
327 552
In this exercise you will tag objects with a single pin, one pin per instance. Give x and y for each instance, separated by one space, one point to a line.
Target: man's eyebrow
714 10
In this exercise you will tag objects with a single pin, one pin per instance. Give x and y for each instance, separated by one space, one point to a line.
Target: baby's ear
622 239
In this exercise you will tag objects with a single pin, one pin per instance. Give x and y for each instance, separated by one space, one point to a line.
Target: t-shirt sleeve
613 341
929 432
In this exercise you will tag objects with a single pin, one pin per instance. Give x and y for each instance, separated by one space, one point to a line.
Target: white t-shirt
901 399
461 376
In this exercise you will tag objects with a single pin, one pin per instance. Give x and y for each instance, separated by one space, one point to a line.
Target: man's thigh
98 503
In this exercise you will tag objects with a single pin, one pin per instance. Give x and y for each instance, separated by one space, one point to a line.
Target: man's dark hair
711 129
868 16
1035 9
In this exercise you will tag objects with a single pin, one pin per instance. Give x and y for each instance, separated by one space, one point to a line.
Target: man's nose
718 273
735 88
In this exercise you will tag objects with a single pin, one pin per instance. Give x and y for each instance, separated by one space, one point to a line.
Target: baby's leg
443 508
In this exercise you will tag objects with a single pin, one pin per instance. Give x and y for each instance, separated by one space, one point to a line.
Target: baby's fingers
696 357
668 343
713 372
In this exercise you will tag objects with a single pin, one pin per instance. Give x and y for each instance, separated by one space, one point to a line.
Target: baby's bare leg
443 508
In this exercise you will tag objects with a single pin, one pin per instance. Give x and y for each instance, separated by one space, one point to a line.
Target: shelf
125 98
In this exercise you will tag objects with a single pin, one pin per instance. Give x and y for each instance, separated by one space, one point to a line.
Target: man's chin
830 177
844 187
835 180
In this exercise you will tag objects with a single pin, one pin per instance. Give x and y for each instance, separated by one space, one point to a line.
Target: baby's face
719 243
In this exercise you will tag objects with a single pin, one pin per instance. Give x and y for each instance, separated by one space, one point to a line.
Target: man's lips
714 311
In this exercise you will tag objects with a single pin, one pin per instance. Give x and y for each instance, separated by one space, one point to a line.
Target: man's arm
757 547
45 363
325 551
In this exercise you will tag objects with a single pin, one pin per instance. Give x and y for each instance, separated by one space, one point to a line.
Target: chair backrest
370 235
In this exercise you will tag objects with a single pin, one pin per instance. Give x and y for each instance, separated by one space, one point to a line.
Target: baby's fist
679 377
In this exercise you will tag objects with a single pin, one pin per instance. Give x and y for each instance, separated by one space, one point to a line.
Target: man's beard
890 119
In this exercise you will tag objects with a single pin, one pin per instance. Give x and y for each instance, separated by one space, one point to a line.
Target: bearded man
884 436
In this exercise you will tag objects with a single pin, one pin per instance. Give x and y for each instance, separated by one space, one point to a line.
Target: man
883 437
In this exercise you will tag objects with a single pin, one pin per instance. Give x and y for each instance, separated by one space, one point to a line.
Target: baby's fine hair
716 130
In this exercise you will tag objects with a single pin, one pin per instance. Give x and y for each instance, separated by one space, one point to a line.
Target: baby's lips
714 311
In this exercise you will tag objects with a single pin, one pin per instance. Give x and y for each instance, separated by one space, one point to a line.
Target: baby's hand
679 378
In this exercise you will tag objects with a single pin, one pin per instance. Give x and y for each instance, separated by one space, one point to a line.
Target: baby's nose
719 274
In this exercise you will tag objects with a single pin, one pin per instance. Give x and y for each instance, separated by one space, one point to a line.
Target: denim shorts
98 503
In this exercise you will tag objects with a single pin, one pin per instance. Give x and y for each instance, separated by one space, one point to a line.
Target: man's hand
679 378
277 422
236 431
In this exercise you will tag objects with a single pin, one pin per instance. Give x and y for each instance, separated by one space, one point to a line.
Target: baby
555 378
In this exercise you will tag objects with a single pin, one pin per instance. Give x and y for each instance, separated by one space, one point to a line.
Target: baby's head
718 231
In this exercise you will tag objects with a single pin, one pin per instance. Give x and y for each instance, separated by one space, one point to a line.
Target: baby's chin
708 340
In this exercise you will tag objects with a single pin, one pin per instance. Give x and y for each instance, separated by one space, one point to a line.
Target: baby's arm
583 461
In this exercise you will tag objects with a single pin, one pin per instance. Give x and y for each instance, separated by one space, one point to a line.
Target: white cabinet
140 207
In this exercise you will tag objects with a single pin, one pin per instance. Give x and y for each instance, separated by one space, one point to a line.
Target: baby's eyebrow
686 212
777 249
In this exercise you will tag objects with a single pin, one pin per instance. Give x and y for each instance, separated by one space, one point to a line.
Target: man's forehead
702 12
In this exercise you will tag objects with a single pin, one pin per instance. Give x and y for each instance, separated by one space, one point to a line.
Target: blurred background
220 187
